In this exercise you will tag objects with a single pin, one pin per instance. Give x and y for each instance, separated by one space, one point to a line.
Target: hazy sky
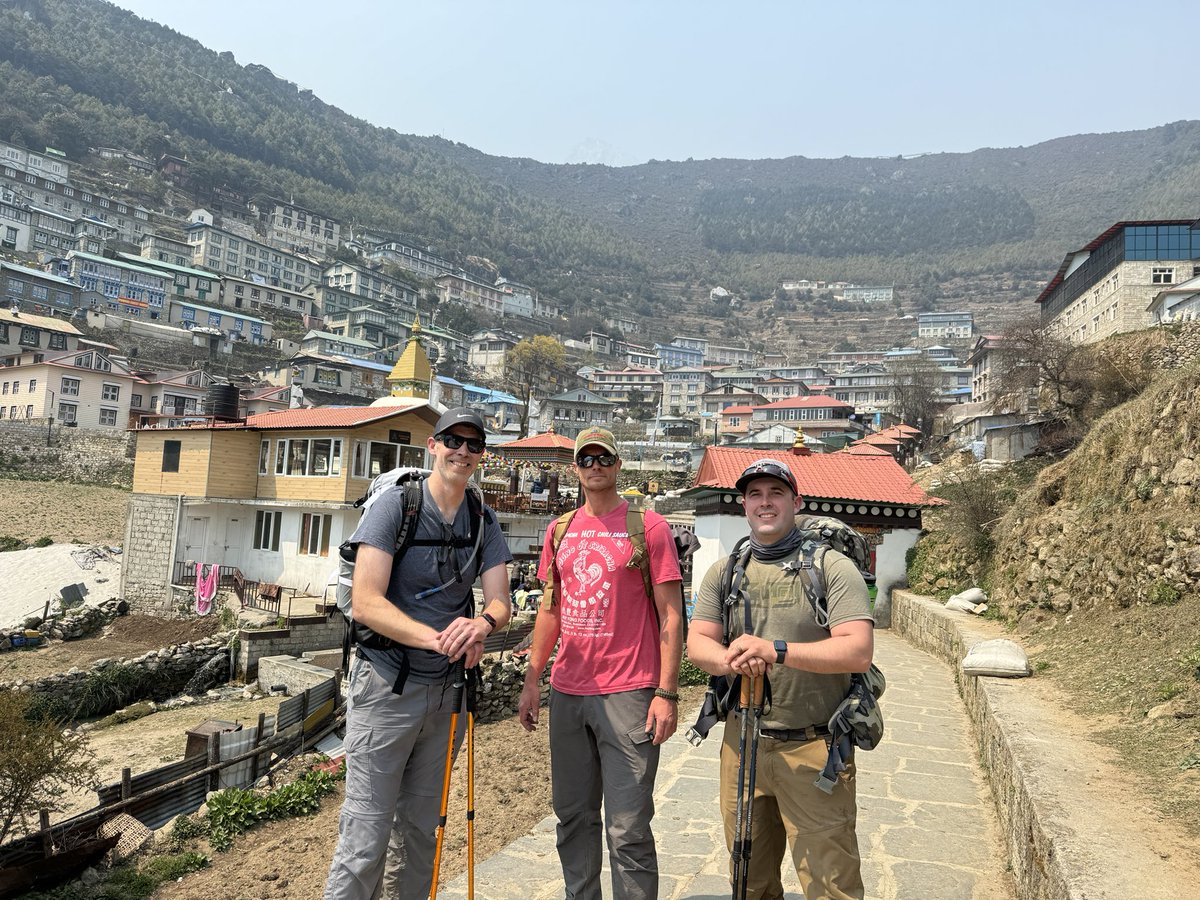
621 82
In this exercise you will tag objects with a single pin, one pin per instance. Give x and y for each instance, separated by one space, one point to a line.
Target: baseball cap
767 468
460 415
601 437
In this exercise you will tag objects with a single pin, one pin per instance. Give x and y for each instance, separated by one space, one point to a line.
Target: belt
810 733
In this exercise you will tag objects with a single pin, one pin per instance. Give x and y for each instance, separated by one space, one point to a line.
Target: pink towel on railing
206 588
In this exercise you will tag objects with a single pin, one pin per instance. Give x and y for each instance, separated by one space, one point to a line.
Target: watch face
780 651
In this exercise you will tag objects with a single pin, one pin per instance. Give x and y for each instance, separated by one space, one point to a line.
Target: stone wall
300 634
148 552
67 625
501 678
40 452
163 672
1037 869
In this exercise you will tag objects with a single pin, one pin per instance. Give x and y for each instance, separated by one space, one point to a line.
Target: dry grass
64 512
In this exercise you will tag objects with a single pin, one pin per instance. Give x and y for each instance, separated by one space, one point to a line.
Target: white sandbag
972 595
1000 657
957 604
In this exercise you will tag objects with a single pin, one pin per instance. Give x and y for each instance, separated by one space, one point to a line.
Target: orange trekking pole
456 697
471 678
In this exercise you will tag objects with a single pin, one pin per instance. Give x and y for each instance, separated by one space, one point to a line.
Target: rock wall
300 634
1036 867
500 681
150 533
39 452
157 674
1114 523
68 625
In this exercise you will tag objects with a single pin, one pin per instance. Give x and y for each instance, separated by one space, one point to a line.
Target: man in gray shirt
398 721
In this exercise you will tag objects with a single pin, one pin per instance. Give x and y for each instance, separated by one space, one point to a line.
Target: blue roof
487 395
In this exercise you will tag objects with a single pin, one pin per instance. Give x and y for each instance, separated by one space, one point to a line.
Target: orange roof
832 476
333 417
879 440
546 441
806 403
866 450
737 410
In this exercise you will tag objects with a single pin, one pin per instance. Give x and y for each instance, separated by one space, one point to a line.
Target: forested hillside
81 73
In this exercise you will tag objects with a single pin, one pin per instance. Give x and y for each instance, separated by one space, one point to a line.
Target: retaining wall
300 634
150 531
39 451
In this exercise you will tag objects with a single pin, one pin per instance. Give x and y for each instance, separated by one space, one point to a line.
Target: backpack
857 718
639 557
408 480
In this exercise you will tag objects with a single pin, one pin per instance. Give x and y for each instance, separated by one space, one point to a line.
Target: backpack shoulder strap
561 524
812 574
411 502
639 554
732 580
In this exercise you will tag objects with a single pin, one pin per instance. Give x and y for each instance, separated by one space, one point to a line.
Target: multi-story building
671 356
296 229
387 334
166 249
84 388
572 411
738 377
33 290
844 360
162 398
682 389
415 259
1106 286
186 282
459 288
333 301
16 224
723 396
52 233
340 376
626 386
369 285
229 253
1180 303
234 325
129 288
24 333
329 344
52 166
241 293
730 356
639 357
489 350
983 359
869 387
950 325
782 388
692 343
817 417
861 293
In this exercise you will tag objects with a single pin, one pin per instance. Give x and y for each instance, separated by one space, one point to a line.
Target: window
58 342
297 457
264 457
170 457
66 412
16 387
266 529
30 337
374 457
1162 275
110 392
32 385
135 401
108 416
70 387
314 534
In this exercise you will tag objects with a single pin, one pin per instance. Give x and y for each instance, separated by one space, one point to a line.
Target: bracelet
673 696
487 618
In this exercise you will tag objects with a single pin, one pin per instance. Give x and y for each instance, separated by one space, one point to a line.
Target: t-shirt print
593 561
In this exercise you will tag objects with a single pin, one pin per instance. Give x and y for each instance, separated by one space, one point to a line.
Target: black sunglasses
454 441
607 460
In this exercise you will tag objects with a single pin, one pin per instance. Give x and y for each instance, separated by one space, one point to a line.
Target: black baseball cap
767 468
460 415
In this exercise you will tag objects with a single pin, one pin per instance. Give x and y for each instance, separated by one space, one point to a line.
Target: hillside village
245 365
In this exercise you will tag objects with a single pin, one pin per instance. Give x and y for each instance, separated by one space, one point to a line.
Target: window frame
267 525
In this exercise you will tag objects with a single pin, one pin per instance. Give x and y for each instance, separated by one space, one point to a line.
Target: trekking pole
750 702
472 677
457 674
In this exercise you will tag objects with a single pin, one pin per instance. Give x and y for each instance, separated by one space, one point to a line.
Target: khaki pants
818 827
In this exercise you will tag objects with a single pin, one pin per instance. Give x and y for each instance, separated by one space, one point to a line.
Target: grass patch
1162 592
131 882
690 673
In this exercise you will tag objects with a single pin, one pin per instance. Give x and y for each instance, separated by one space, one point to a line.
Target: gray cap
460 415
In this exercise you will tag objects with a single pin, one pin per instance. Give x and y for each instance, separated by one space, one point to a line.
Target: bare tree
534 364
916 387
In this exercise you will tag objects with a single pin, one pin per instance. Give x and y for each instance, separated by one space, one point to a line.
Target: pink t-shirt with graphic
609 638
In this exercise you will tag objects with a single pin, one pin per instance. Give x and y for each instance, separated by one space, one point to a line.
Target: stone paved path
926 822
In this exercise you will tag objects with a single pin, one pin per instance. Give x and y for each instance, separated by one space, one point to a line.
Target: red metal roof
879 440
806 403
546 441
824 476
866 450
335 417
737 410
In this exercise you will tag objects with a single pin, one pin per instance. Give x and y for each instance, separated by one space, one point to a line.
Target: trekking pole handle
458 683
752 691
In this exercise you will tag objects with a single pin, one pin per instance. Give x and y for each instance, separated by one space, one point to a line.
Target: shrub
1163 593
690 673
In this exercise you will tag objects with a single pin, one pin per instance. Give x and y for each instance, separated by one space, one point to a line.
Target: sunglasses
607 460
454 441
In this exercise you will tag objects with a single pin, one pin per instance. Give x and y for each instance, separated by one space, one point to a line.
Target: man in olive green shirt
809 668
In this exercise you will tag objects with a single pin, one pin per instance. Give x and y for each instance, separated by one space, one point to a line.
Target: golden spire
412 373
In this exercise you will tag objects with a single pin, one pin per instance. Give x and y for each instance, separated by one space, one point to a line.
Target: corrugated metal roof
827 476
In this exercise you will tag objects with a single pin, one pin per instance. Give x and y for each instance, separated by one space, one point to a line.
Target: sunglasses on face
454 441
588 460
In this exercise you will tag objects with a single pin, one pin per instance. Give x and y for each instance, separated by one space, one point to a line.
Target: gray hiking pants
395 762
599 750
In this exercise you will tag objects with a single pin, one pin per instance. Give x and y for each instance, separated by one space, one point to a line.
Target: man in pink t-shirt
614 684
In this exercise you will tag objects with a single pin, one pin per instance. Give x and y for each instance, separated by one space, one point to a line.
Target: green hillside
80 73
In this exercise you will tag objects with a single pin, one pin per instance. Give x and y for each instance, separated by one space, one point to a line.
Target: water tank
221 402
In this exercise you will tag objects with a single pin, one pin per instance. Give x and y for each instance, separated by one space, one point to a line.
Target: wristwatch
780 652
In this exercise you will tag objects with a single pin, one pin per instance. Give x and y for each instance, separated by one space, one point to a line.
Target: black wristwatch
780 652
